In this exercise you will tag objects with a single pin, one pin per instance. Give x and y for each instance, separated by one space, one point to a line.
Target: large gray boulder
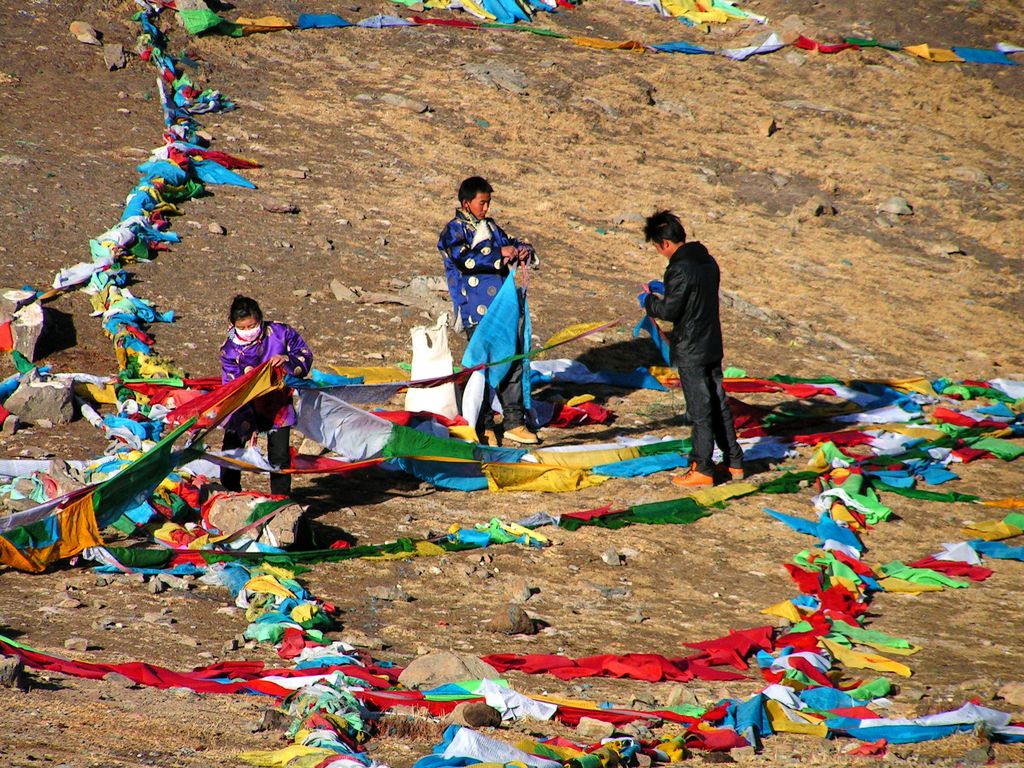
441 667
27 329
37 401
229 513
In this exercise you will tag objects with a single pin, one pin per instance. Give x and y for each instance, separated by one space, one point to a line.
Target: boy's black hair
472 187
243 307
664 225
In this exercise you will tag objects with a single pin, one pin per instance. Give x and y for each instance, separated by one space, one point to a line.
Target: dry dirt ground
582 144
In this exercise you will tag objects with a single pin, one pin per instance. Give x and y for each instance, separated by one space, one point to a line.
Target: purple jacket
236 357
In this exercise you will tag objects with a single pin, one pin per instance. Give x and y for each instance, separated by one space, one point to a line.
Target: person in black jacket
690 303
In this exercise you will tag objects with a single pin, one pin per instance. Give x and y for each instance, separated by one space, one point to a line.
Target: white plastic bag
431 358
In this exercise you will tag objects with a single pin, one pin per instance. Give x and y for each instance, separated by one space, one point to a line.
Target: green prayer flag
789 482
21 363
899 570
1004 449
867 42
134 484
470 690
922 495
263 509
864 499
784 379
1015 519
191 189
406 442
264 633
971 392
141 558
874 689
687 710
861 635
673 512
665 446
199 20
289 559
517 28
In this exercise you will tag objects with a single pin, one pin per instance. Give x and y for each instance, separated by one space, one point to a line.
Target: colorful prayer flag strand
505 15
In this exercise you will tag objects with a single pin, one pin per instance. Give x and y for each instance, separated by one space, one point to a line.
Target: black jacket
690 303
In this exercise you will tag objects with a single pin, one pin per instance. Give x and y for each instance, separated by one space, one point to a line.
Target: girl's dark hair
243 307
472 187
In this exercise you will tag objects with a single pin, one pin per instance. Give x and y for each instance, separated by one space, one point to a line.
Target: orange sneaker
736 473
693 479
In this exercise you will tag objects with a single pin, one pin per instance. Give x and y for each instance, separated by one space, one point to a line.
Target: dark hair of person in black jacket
664 226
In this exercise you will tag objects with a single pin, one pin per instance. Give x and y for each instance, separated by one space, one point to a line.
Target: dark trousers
510 393
278 451
712 419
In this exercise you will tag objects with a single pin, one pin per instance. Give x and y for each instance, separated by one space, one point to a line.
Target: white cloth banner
515 706
345 429
480 748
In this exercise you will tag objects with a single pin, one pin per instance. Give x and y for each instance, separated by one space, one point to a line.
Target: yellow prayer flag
892 584
1011 503
785 610
278 571
100 394
381 374
609 45
563 702
579 400
571 332
918 384
530 746
422 549
538 477
857 660
279 758
699 14
667 376
840 513
463 432
268 584
477 10
991 530
303 612
709 496
911 430
890 649
428 549
928 53
584 459
263 24
76 530
787 720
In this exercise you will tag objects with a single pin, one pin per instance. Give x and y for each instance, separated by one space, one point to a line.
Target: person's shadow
625 355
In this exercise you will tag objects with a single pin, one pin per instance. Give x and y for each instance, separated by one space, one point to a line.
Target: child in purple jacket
250 342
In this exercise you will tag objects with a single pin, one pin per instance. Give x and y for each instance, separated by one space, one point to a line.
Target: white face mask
250 334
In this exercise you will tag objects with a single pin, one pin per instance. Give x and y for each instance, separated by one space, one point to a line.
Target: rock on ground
230 512
513 620
474 714
442 667
34 401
